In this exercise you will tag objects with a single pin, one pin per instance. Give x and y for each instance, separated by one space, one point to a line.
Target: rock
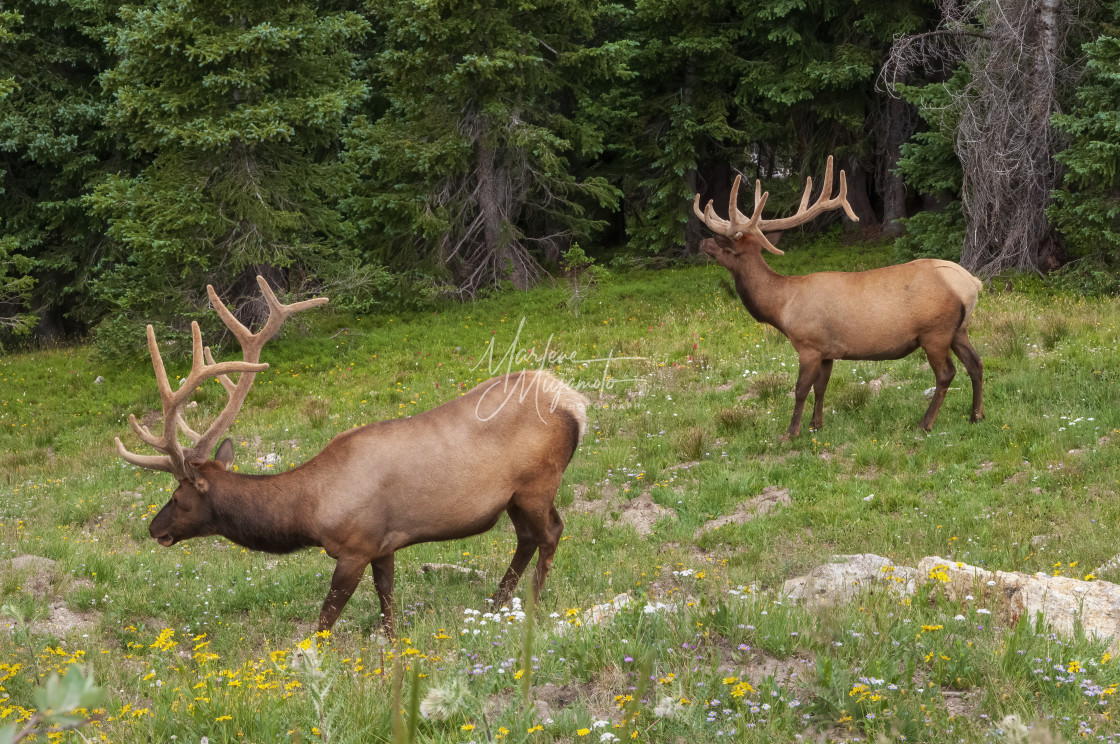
642 514
849 575
99 380
1110 565
758 506
595 615
1064 602
468 572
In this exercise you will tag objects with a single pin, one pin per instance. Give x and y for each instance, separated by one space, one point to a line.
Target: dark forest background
394 152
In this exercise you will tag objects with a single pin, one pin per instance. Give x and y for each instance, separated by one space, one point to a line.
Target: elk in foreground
444 474
878 314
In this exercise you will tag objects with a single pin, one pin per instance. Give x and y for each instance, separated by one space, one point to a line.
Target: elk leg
943 371
964 350
807 372
818 394
547 549
347 574
526 546
382 570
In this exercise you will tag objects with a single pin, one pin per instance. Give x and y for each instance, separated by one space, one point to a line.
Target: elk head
738 234
188 513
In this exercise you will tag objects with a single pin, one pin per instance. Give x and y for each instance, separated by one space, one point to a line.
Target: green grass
709 391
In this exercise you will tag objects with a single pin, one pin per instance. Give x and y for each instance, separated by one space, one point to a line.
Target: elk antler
175 458
737 223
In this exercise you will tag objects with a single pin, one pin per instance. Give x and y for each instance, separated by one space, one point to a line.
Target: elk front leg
347 574
382 569
809 367
818 394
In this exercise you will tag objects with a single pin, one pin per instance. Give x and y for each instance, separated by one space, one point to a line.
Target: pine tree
1087 205
767 89
466 171
237 106
53 146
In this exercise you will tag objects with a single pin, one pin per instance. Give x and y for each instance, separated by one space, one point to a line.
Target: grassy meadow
205 639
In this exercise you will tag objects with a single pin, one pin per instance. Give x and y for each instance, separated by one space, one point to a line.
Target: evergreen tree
466 169
238 106
769 89
53 145
1087 205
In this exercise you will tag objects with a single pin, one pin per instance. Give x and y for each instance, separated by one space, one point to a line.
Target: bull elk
883 313
444 474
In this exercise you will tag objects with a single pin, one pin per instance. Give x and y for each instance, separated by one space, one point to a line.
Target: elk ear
224 455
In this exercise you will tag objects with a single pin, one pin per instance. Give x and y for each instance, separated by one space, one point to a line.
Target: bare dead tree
485 245
1012 51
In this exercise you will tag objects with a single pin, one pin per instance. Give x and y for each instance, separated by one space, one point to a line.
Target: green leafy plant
582 272
58 702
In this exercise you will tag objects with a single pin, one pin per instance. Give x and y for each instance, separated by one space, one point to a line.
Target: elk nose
161 536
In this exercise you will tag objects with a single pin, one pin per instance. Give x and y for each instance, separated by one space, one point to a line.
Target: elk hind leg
526 545
547 549
818 394
943 372
538 510
382 569
964 350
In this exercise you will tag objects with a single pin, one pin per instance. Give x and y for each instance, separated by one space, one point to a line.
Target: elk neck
764 292
272 513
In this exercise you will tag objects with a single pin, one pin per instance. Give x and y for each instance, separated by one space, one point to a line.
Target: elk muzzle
160 528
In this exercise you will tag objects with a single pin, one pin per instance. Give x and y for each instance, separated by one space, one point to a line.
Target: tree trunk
859 200
895 125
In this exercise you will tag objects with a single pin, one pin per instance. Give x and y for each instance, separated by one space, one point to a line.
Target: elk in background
444 474
883 313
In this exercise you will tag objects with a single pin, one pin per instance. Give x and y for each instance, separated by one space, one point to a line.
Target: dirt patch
62 620
583 505
725 386
684 465
985 467
38 571
795 671
764 503
548 700
59 622
961 703
642 514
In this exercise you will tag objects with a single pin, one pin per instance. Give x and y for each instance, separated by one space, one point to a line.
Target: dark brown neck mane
271 513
